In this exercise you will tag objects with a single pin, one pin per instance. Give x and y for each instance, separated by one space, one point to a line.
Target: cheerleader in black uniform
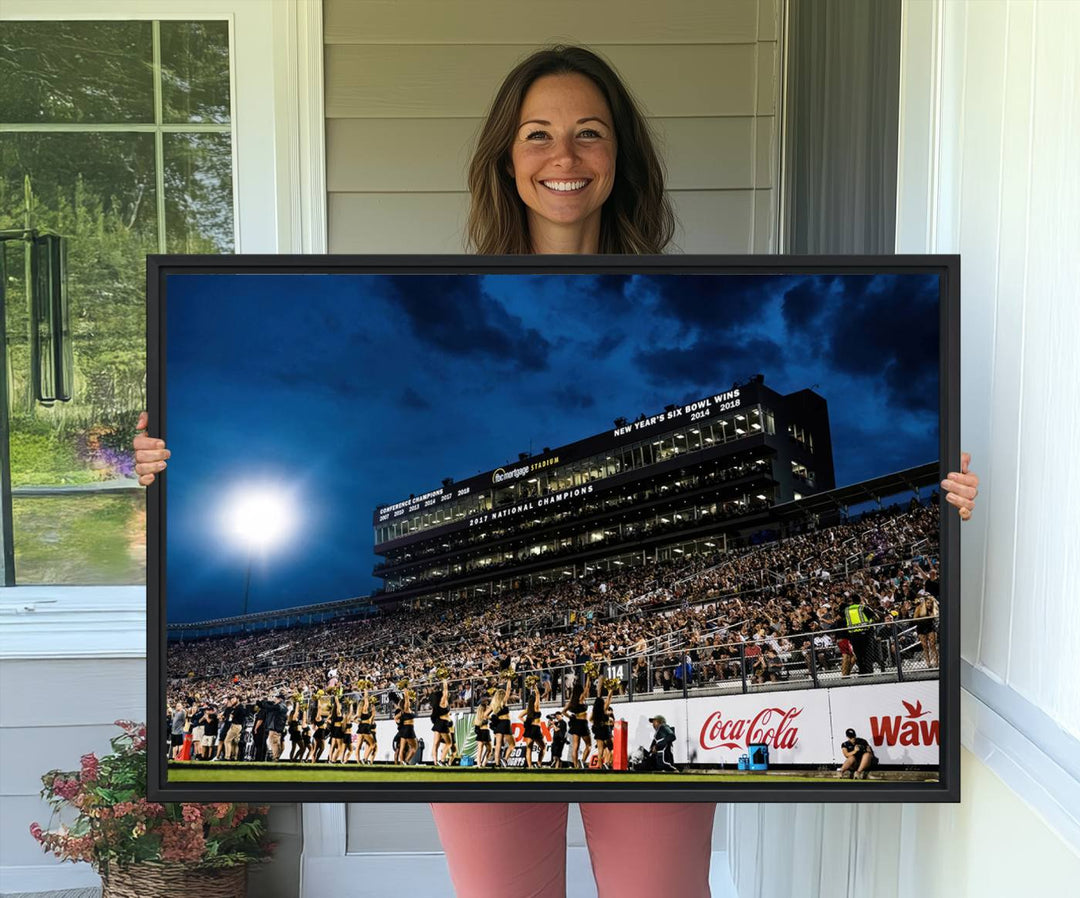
533 735
318 739
576 712
337 733
440 725
366 730
602 725
406 729
925 613
352 739
500 726
482 733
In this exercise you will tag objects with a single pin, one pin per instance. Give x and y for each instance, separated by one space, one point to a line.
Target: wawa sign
900 720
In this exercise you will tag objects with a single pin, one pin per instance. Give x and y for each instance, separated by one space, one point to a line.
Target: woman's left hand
961 487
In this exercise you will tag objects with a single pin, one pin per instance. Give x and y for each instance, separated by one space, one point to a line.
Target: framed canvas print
554 528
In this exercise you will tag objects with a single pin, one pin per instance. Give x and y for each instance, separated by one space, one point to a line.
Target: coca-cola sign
771 726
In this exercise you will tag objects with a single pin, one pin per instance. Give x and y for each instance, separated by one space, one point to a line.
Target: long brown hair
637 216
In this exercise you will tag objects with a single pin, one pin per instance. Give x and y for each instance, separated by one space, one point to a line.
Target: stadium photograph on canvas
452 528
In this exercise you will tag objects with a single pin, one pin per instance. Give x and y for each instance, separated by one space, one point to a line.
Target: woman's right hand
150 453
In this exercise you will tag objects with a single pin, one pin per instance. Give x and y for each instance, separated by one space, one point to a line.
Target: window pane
198 193
195 71
81 540
97 190
76 72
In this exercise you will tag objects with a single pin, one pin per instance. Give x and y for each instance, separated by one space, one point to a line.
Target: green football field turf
295 773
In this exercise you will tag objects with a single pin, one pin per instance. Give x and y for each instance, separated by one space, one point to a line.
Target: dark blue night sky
355 390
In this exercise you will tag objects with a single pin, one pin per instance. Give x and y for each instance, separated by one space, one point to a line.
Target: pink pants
520 849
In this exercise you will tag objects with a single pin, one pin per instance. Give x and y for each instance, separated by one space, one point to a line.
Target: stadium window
126 148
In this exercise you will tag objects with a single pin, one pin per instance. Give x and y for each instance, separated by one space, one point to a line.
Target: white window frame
279 189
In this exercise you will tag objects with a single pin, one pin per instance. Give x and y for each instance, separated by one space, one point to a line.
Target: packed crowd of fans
765 614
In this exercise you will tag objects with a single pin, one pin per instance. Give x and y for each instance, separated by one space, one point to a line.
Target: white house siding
408 82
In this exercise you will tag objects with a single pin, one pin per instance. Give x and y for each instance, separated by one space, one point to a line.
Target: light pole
247 584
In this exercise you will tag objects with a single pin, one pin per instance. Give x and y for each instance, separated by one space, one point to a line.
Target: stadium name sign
532 504
694 411
501 475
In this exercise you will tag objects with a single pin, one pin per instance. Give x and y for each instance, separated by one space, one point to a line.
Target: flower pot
170 880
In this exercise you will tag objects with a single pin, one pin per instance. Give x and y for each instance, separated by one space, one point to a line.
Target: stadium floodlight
258 517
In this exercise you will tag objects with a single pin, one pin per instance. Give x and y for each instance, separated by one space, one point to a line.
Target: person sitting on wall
859 757
660 750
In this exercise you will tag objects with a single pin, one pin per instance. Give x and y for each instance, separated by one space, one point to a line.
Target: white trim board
39 622
1026 749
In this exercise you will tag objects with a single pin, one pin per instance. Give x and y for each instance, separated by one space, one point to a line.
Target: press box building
690 478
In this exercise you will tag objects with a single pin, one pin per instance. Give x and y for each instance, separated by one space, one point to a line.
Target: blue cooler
467 761
744 762
759 756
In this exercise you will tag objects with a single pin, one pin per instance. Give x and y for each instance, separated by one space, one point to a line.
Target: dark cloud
608 291
712 362
452 314
887 329
804 303
606 345
411 399
569 396
699 302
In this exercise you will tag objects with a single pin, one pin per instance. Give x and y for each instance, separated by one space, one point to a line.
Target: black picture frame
947 787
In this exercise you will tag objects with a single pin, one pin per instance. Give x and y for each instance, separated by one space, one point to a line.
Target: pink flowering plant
115 824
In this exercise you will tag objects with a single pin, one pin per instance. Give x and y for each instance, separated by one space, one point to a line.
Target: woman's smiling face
563 155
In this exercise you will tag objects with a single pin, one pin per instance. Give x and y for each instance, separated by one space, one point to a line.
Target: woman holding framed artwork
565 164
